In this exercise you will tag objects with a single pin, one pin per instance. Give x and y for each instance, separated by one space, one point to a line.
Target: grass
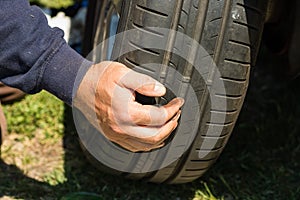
42 159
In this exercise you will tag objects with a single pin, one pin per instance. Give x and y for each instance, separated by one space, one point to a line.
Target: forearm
34 56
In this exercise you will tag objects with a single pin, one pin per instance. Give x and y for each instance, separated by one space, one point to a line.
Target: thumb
143 84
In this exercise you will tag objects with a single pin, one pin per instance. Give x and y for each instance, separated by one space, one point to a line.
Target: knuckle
154 140
124 117
148 79
163 113
140 116
117 129
145 80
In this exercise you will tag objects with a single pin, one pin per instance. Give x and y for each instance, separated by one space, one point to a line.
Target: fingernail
159 88
177 116
175 127
181 101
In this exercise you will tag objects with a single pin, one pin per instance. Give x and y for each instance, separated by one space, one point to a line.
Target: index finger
143 84
149 115
154 135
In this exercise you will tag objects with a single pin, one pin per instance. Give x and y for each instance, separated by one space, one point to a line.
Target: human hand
120 117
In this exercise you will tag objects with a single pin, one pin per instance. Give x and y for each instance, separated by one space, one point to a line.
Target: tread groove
146 50
209 150
220 40
192 176
151 11
233 79
214 137
237 61
217 137
195 170
250 8
240 43
235 97
171 39
197 34
219 124
172 65
203 160
247 25
224 111
136 65
185 12
215 19
180 26
147 30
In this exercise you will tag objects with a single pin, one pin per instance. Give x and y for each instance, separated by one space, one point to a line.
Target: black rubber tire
230 31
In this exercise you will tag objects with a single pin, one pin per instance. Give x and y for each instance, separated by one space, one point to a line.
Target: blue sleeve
34 56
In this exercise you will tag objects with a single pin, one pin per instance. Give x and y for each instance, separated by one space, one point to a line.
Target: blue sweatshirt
34 56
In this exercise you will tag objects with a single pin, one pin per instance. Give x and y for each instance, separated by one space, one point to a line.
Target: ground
42 159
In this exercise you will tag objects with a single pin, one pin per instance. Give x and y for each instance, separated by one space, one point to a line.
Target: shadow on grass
81 176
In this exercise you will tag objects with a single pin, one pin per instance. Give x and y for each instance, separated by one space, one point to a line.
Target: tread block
231 103
236 70
215 129
243 34
238 52
248 17
220 116
211 155
139 17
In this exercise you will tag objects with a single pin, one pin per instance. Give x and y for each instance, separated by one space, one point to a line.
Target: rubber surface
230 32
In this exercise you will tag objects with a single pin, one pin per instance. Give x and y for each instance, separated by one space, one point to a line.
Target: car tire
229 31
